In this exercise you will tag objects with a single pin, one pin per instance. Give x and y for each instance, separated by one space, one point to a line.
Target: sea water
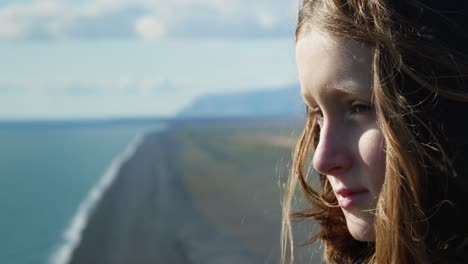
51 175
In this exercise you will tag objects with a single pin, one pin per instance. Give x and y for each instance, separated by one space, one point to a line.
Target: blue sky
130 58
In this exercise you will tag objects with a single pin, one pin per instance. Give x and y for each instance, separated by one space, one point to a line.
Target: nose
332 156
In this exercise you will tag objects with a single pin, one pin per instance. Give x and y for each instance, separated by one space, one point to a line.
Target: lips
349 197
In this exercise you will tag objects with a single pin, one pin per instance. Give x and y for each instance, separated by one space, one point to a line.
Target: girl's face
335 77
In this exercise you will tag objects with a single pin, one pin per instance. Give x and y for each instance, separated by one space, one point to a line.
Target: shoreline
73 233
147 216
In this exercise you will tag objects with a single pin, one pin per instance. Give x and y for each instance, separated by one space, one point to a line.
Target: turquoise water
45 172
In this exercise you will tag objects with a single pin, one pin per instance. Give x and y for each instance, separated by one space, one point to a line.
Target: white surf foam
72 235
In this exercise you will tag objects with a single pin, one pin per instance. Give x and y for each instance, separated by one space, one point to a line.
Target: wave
72 235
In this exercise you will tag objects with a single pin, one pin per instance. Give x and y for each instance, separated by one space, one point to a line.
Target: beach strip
147 216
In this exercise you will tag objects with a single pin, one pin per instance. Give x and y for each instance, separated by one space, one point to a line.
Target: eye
361 108
316 114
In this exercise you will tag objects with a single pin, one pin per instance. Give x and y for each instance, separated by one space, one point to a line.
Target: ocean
51 176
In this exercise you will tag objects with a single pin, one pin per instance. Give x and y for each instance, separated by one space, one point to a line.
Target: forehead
327 61
320 41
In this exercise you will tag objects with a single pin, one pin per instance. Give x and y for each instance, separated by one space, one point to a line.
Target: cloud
154 87
146 19
77 90
125 86
22 87
6 88
20 20
150 28
135 97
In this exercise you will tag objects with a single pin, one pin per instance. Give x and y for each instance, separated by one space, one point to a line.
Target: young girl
385 84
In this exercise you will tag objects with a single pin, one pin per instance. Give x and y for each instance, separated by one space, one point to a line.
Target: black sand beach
146 216
196 193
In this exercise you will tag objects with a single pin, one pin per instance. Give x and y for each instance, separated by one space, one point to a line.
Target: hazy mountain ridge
284 101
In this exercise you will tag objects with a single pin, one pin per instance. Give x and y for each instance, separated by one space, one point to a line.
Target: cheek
372 154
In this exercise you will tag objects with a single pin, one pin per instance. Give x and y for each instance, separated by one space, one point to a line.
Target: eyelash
316 114
360 109
357 109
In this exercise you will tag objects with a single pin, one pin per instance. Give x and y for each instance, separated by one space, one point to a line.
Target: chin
363 235
361 229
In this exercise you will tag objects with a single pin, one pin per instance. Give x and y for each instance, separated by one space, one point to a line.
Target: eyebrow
307 98
341 89
345 88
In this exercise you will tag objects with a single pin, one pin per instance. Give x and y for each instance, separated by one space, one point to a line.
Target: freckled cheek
372 154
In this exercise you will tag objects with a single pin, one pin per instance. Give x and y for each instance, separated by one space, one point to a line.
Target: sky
80 59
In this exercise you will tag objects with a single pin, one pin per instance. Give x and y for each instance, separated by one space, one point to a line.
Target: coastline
147 216
73 234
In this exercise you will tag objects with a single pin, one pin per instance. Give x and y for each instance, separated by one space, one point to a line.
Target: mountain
283 101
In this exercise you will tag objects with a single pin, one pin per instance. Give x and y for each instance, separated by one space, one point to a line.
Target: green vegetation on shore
234 177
